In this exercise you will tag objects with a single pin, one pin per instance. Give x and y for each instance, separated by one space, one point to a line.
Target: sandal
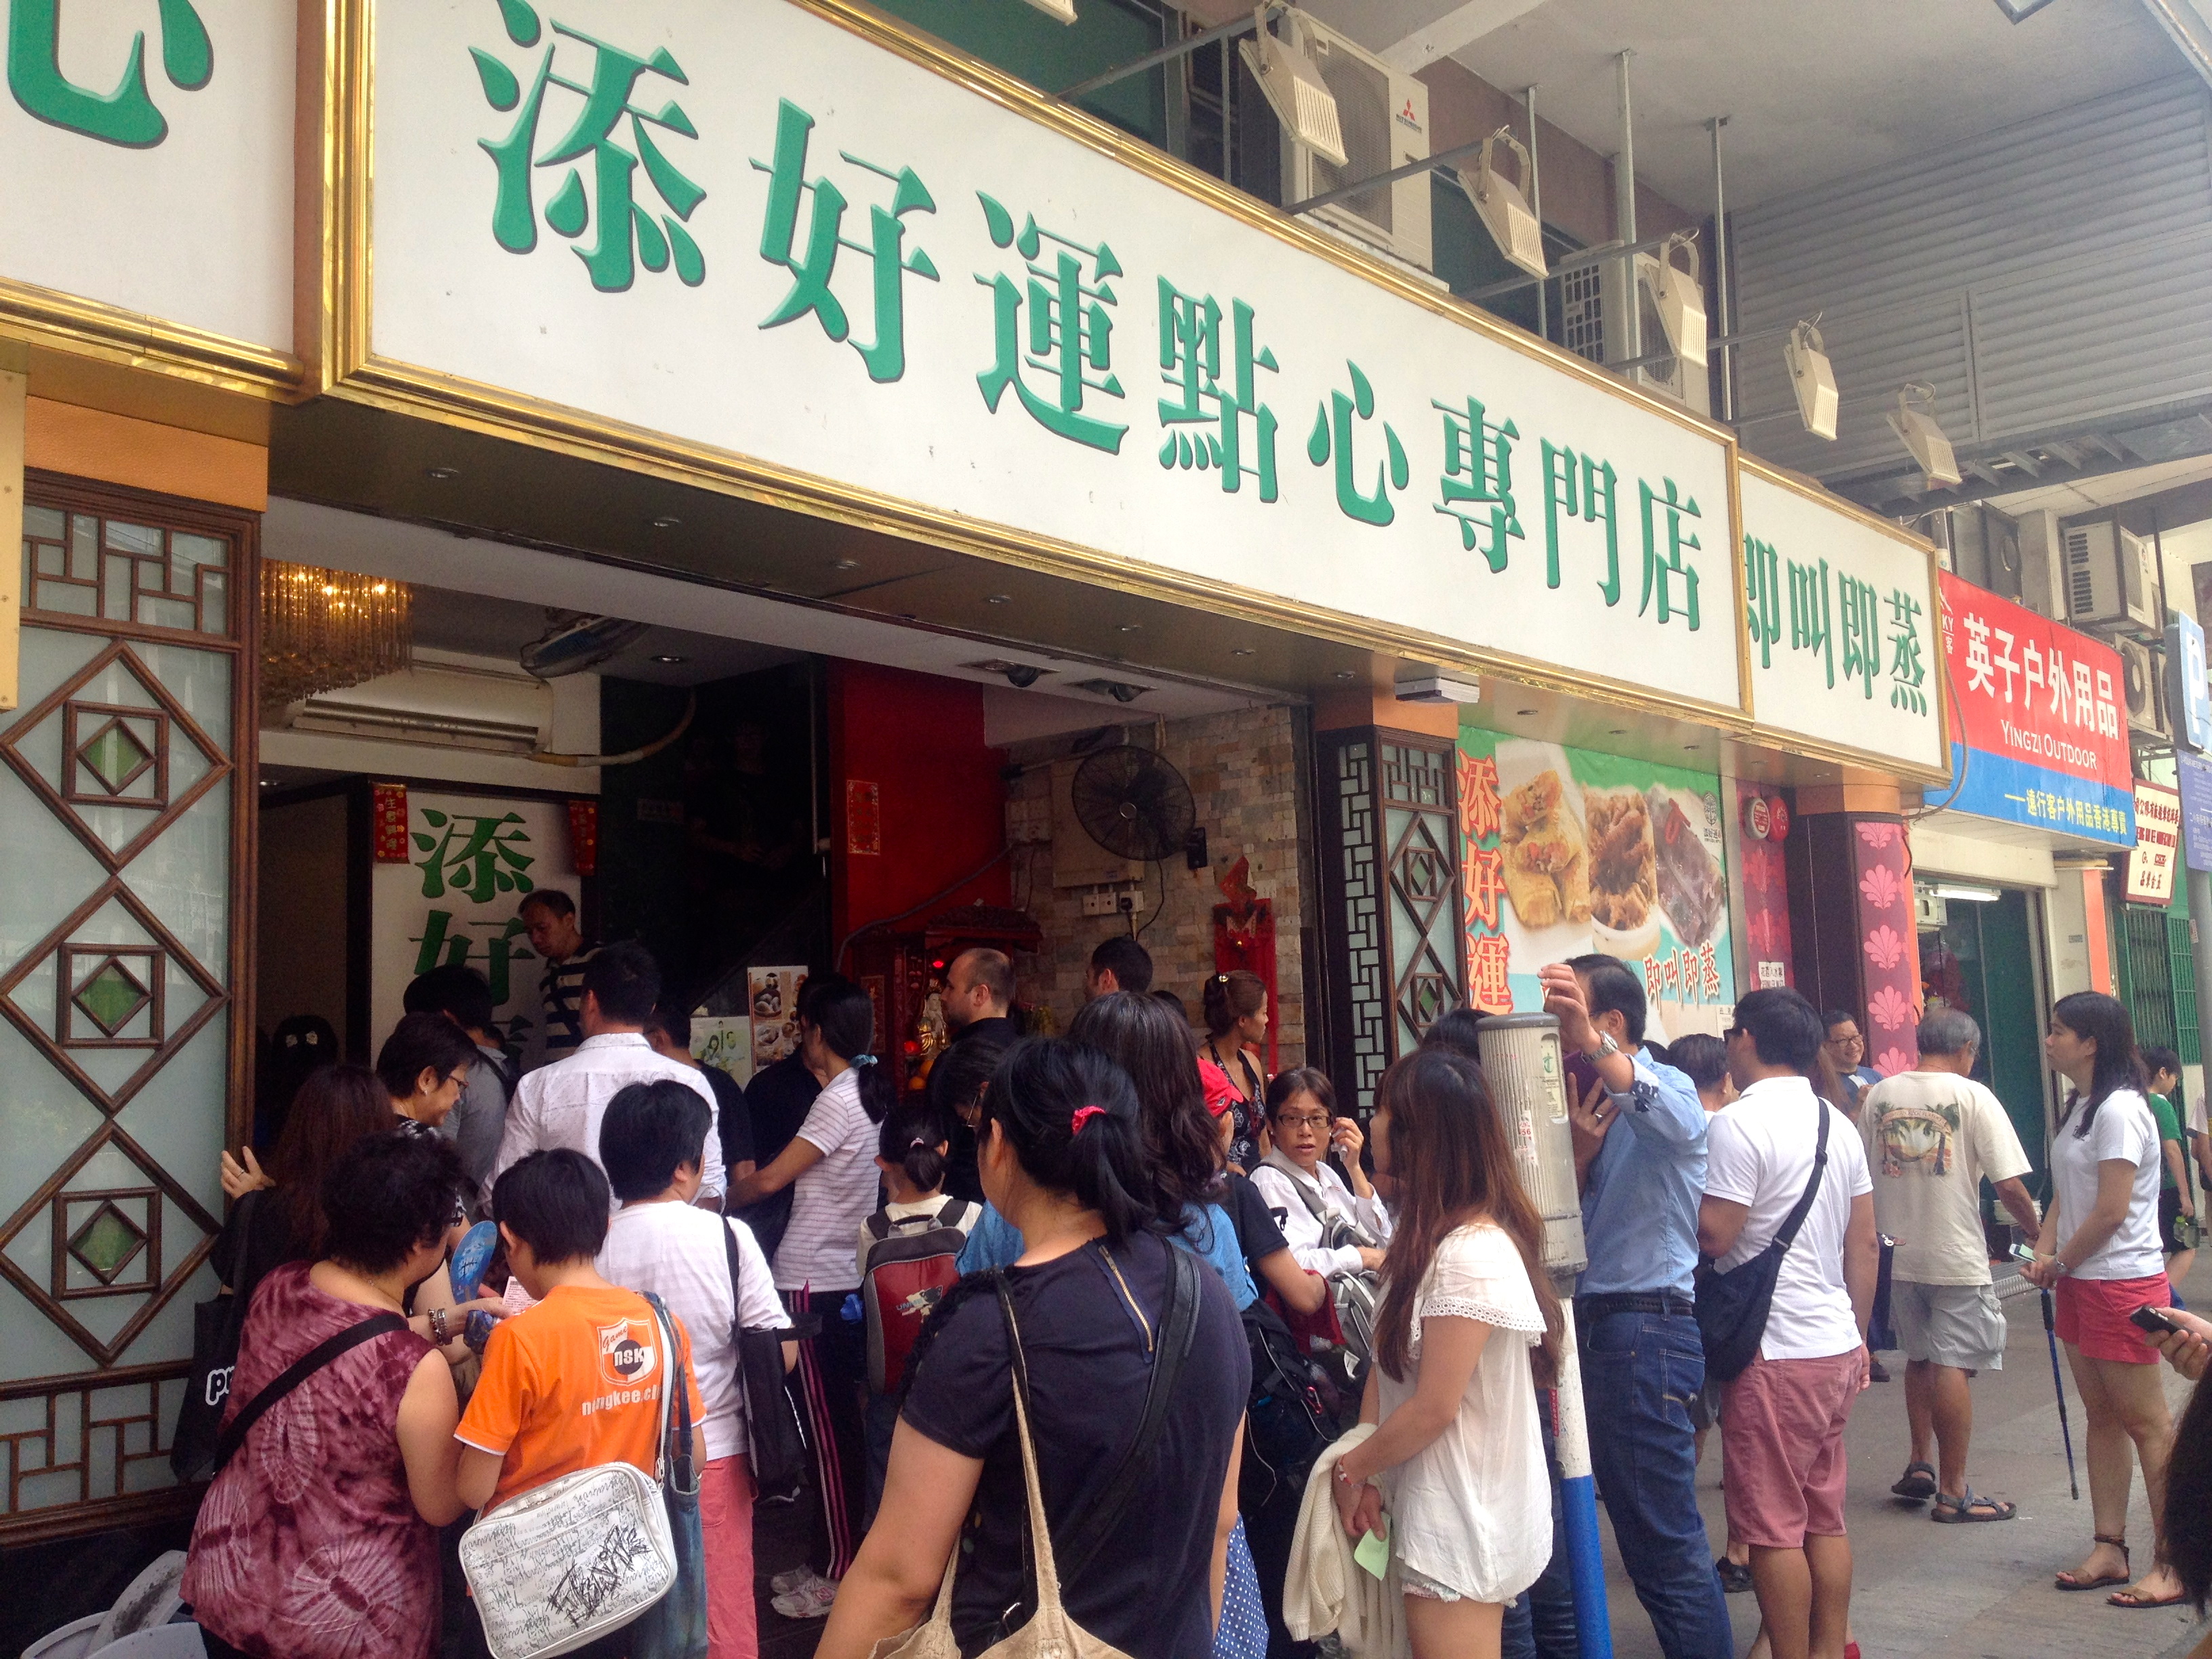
1918 1484
2133 1597
1953 1511
2070 1581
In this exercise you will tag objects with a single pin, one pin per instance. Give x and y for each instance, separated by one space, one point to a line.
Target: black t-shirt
1146 1589
962 1178
1257 1233
733 1122
777 1101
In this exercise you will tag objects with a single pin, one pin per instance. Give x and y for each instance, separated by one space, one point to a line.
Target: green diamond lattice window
105 1245
111 998
115 755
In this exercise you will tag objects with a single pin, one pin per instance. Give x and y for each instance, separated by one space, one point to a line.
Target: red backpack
910 1265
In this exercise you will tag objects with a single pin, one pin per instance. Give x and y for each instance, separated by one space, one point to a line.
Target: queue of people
1136 1343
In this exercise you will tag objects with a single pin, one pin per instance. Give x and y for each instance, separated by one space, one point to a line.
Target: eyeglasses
1302 1120
1854 1040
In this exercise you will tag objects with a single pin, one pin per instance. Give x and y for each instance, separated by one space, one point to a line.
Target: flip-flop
2128 1598
1918 1483
1955 1511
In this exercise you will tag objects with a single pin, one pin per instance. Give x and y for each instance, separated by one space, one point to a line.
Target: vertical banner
1763 883
2196 810
2158 844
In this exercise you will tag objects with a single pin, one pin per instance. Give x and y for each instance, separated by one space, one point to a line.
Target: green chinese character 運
473 869
628 235
1590 501
1762 585
124 117
1861 630
1809 616
1069 330
1332 434
810 271
1479 468
1190 363
1663 571
1907 671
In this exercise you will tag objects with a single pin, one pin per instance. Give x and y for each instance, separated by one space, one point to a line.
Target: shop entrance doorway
1980 960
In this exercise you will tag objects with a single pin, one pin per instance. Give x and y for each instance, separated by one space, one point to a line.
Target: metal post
1623 218
1720 295
2200 947
1578 1495
1536 207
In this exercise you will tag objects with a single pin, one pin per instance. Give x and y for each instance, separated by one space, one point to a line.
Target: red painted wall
941 803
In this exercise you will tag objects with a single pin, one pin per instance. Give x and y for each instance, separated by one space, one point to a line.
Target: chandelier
322 630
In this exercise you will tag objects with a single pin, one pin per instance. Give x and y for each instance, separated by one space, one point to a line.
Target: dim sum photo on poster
1567 852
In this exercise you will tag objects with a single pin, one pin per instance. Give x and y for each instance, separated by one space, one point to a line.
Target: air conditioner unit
2145 693
1592 312
1383 115
2111 580
447 701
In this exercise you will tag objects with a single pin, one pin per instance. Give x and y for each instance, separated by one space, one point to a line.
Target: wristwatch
1606 1048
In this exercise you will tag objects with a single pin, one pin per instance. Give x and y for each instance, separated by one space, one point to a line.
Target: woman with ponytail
832 1162
1469 1319
1062 1157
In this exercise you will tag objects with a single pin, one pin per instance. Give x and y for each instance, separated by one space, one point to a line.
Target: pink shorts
2092 1316
726 1526
1782 1447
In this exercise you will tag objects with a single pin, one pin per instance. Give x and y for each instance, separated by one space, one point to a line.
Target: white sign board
149 147
742 225
1843 627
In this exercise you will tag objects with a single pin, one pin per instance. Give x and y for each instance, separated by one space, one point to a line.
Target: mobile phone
2023 1252
2156 1320
1582 1075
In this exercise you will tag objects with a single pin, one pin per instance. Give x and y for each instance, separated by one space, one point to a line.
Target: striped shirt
832 1196
561 996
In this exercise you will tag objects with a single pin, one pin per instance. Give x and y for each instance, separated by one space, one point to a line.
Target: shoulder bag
567 1562
1732 1307
775 1438
217 1324
1354 1296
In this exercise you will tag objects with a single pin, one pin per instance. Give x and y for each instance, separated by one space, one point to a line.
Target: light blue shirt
1640 1210
997 1242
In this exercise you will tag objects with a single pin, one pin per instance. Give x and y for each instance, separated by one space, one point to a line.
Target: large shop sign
2040 737
741 229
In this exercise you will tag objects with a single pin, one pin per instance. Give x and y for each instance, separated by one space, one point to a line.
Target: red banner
388 822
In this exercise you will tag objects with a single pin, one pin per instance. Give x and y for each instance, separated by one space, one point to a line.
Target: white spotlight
1914 419
1812 378
1062 11
1681 298
1284 66
1503 206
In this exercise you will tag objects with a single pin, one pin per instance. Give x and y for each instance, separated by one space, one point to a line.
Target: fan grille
1132 803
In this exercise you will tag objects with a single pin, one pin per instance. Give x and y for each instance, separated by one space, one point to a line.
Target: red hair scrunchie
1083 1115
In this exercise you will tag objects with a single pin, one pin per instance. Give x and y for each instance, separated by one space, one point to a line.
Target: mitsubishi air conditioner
2145 688
2112 580
1593 302
1383 115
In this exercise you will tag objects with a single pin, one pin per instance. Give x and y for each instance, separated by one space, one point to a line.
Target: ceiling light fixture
1241 651
1128 628
666 522
1966 892
443 474
670 658
1914 419
846 564
1291 81
997 598
1503 207
1812 378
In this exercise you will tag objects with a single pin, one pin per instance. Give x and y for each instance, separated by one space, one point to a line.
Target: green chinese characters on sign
442 942
1664 572
1579 486
1810 615
1908 668
628 234
1190 365
1479 474
478 857
1069 335
1332 437
811 267
1861 629
126 115
1762 585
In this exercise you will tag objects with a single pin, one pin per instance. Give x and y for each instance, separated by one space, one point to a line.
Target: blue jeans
1639 1373
1540 1622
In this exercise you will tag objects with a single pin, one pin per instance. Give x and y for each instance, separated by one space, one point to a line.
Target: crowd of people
1112 1335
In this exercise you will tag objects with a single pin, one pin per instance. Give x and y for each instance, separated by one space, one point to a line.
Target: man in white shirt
1782 1417
560 1105
1931 1135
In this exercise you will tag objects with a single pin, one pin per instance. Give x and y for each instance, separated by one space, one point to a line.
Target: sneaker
810 1601
791 1579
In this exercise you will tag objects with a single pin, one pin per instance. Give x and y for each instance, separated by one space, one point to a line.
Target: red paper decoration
388 822
584 837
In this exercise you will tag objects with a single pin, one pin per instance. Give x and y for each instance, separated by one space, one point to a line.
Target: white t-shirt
1931 1137
1760 1152
833 1197
2123 1131
676 1251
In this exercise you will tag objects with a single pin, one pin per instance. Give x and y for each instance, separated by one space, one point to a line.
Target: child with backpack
909 1255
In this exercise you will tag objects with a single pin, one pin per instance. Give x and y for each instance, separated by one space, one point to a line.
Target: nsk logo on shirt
626 1352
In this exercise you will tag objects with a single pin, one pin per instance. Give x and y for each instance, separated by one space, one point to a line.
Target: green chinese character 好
1809 614
1861 630
1908 672
1190 363
488 861
628 235
1478 470
1663 571
1070 331
1562 469
1332 434
125 116
1762 583
810 271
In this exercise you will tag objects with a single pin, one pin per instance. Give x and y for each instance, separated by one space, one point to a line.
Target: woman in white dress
1310 1200
1455 1464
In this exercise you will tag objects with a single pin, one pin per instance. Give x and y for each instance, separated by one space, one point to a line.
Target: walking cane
2051 1335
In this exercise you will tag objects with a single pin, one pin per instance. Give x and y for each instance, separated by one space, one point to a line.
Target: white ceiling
2107 489
1814 89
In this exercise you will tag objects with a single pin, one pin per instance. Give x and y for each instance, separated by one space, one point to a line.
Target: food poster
724 1042
1566 851
772 995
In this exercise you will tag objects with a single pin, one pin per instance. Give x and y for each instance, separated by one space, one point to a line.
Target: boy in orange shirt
574 1383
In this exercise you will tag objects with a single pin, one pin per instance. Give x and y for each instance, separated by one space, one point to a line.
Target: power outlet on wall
1108 900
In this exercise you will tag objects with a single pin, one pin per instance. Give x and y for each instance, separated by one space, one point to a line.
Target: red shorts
2092 1316
1782 1446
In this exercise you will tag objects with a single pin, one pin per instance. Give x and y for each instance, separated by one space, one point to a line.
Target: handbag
1354 1296
675 1626
217 1325
1732 1307
1049 1633
570 1561
775 1437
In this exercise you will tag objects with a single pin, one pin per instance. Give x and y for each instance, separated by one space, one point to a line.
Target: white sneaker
790 1579
811 1600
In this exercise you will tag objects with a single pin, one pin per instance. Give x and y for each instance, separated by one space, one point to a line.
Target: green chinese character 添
628 235
1762 583
1809 615
487 861
1579 486
1190 363
1662 570
126 115
811 270
1478 472
1861 629
1908 672
1332 436
1070 332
